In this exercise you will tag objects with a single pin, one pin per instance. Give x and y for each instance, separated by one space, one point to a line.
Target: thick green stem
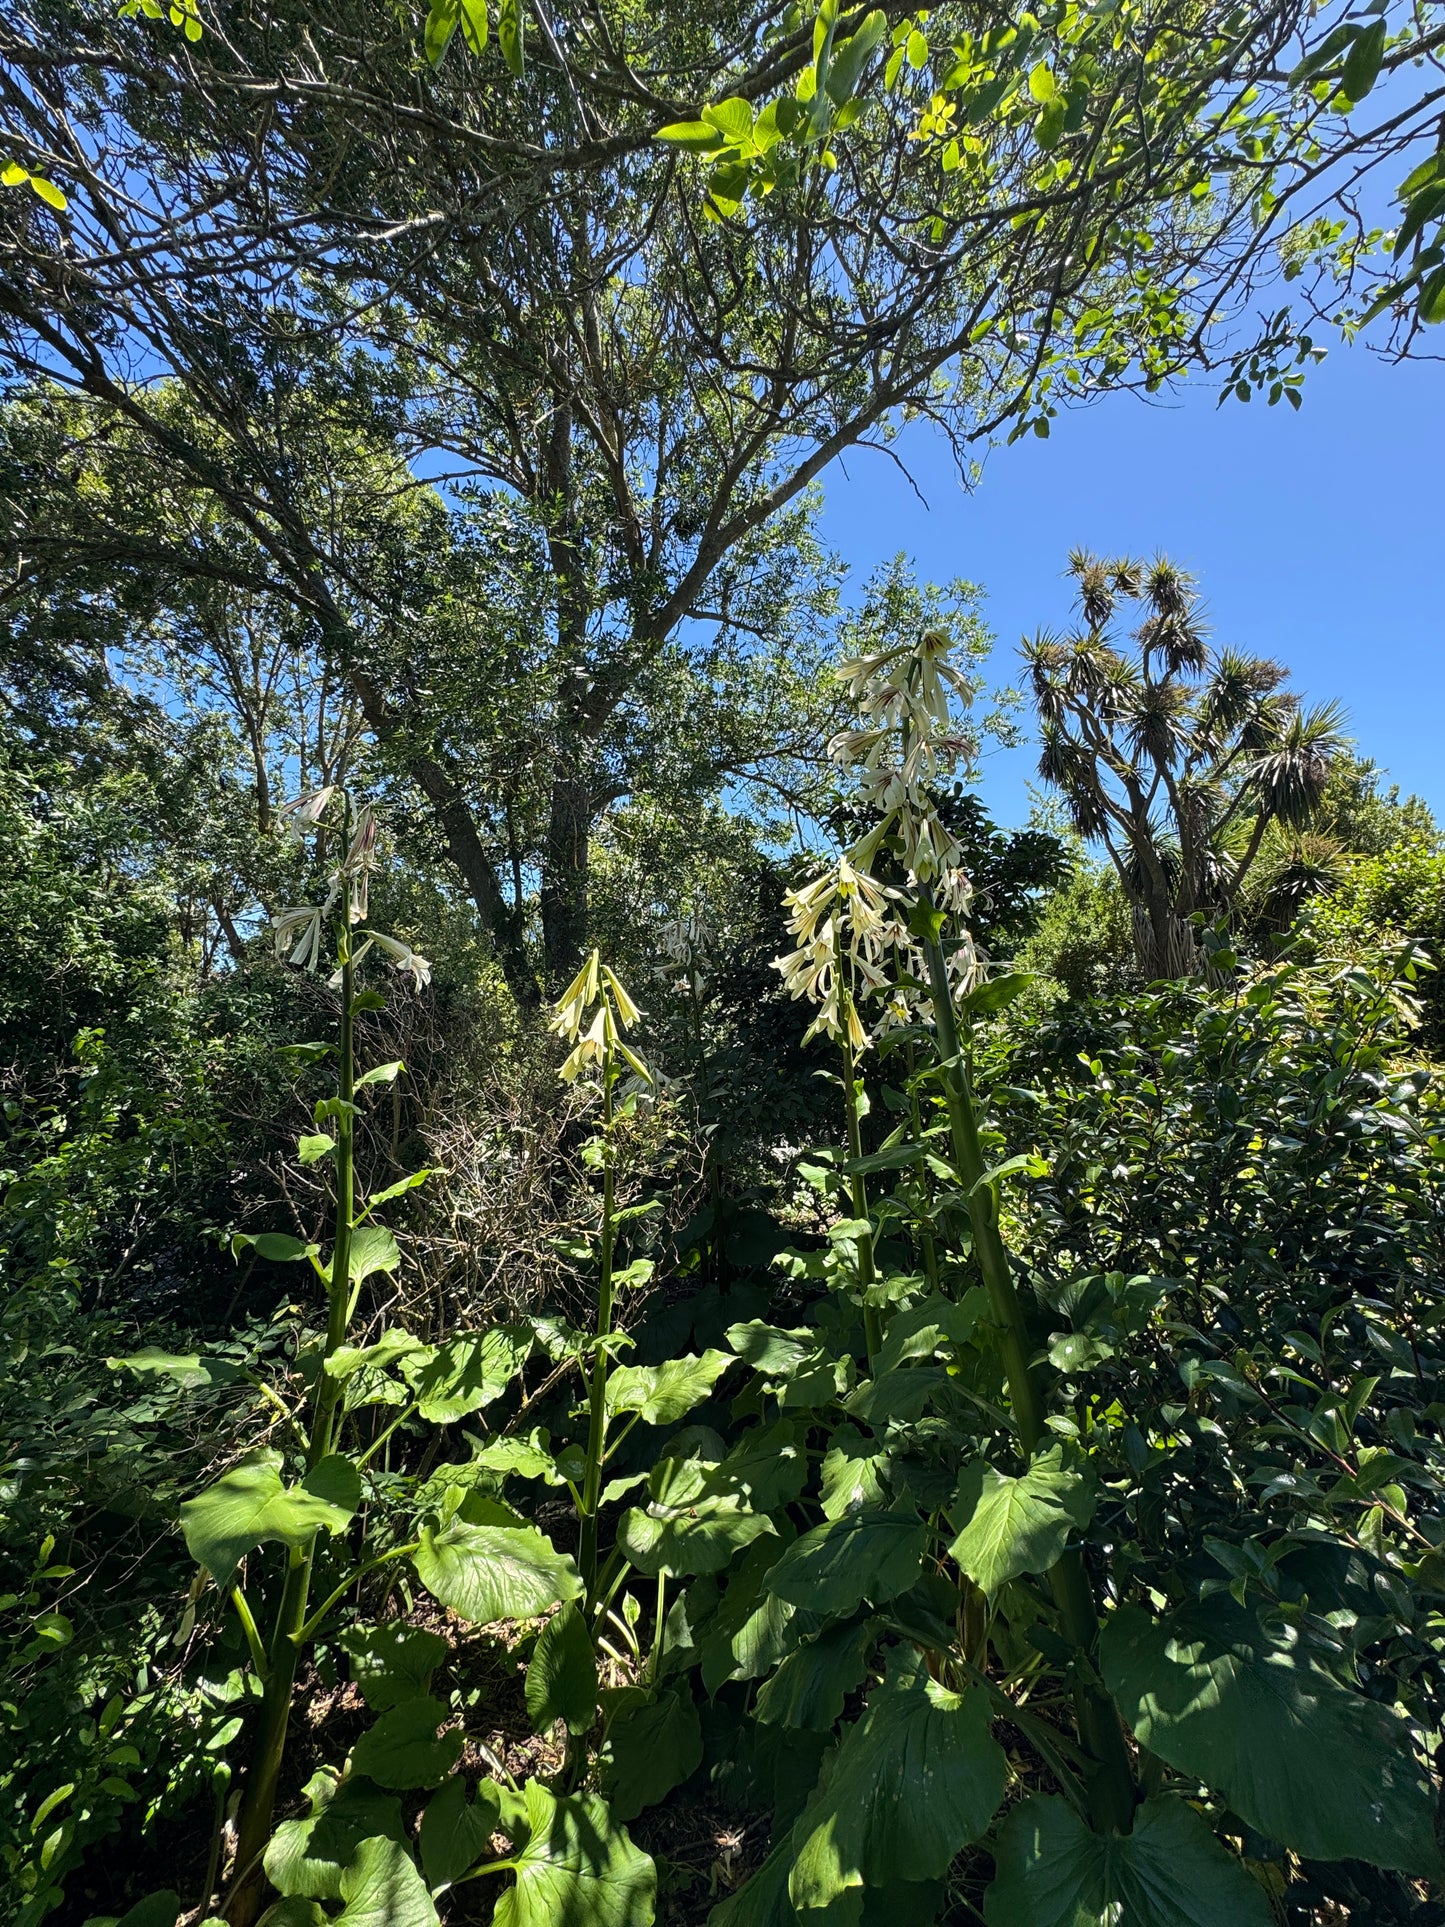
597 1414
1111 1789
927 1243
288 1639
858 1188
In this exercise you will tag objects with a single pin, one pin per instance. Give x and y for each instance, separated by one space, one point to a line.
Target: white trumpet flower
844 920
399 954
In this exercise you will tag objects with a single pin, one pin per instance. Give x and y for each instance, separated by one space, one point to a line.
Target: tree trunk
564 875
1164 944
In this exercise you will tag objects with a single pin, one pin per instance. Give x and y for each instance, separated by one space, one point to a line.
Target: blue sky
1318 537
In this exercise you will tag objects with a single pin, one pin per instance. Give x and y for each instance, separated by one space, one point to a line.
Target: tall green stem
857 1185
1111 1789
597 1414
867 1275
927 1243
284 1654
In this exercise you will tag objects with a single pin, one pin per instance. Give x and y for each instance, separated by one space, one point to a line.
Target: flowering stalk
596 994
299 936
907 746
283 1655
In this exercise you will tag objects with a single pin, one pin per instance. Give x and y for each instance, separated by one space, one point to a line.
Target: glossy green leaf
249 1505
290 1911
306 1857
752 1629
1362 67
868 1554
468 1372
695 1520
854 1473
392 1345
1008 1526
851 56
915 1779
487 1573
768 1466
381 1074
651 1749
404 1750
392 1662
186 1368
1170 1871
456 1832
373 1248
697 136
901 1396
277 1247
1319 1767
510 35
156 1910
382 1887
562 1674
810 1687
578 1868
441 24
922 1329
663 1394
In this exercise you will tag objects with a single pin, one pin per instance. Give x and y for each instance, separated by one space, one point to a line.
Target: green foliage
1087 1430
1168 1871
1396 895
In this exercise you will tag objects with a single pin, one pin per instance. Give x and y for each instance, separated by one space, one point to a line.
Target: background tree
1176 757
518 278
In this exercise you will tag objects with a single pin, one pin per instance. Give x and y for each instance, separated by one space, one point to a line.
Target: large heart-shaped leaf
1300 1756
455 1832
695 1520
577 1869
249 1505
292 1912
752 1629
854 1473
651 1749
161 1909
305 1857
392 1345
917 1778
393 1662
768 1466
868 1554
373 1248
802 1372
1170 1871
810 1686
562 1674
468 1372
901 1396
487 1573
1007 1526
382 1887
919 1331
662 1394
404 1749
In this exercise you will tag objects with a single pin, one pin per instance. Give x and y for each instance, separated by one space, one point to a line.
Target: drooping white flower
305 812
297 935
399 953
845 920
